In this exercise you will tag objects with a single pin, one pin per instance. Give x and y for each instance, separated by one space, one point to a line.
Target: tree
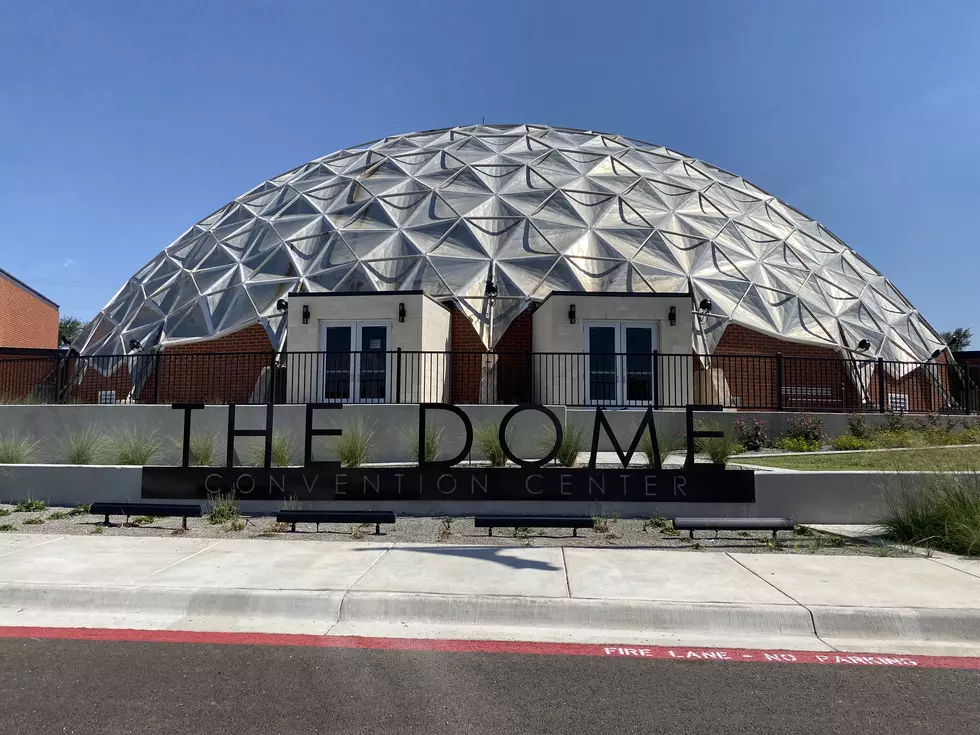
957 340
69 328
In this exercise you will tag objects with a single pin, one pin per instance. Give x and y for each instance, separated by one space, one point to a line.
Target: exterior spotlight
491 289
936 354
704 307
672 316
134 345
306 314
401 312
864 345
571 313
282 305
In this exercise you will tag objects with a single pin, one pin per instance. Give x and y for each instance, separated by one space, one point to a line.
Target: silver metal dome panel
537 209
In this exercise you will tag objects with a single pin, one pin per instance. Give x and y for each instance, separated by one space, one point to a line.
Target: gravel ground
610 532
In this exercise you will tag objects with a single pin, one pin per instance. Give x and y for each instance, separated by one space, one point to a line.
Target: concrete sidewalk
900 605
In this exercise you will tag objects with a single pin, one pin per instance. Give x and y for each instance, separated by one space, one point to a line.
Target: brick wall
510 384
813 377
26 373
25 319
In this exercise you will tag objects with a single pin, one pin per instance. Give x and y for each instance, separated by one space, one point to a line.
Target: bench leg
489 532
318 528
574 532
377 529
294 526
185 523
106 521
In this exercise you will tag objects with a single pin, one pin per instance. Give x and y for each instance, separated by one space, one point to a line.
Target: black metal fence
749 382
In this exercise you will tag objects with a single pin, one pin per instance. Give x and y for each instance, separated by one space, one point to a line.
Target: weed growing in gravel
7 527
353 447
223 509
447 527
486 441
657 523
5 512
600 524
142 521
58 515
134 446
18 448
97 529
80 510
236 525
772 543
522 532
33 521
30 506
85 445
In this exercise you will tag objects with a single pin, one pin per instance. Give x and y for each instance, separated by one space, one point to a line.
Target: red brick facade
27 319
511 382
813 377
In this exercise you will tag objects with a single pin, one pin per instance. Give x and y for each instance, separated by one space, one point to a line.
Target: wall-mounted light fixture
672 316
936 354
306 314
401 312
704 308
571 313
864 345
134 345
282 305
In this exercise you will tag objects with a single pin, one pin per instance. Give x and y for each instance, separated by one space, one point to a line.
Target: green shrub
897 421
805 426
353 447
797 444
133 446
80 510
859 427
87 445
969 435
223 509
666 442
283 448
433 441
486 441
847 442
751 434
18 448
944 515
900 438
203 447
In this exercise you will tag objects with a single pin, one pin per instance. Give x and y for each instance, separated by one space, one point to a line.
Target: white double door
620 362
355 361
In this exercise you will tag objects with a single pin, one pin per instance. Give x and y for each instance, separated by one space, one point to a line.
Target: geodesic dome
532 208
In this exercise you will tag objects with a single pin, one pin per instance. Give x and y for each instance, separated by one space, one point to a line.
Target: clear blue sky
124 122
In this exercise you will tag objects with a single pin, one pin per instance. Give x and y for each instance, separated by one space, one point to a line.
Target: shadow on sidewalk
492 554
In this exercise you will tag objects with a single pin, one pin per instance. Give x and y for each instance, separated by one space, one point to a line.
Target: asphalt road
62 686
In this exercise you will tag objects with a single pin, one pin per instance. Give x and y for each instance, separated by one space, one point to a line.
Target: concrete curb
320 611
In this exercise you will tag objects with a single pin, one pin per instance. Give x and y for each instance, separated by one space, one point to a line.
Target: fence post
271 398
527 376
969 398
398 375
656 379
58 367
156 377
779 381
881 385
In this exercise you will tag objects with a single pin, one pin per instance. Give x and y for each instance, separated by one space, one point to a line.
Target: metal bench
572 522
733 524
159 510
377 517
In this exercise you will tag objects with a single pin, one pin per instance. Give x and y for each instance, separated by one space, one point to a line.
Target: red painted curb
678 653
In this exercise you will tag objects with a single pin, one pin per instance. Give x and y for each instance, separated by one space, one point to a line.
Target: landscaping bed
225 522
955 458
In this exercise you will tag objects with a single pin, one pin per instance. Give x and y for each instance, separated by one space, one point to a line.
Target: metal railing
748 382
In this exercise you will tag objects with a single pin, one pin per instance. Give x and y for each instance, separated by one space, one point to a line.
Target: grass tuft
486 441
433 441
83 446
80 510
133 446
572 441
223 509
943 515
283 449
353 446
18 448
